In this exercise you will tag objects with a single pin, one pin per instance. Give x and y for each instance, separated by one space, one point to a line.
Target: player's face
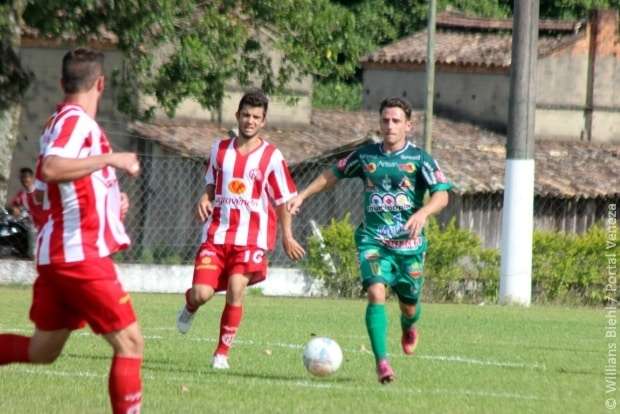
26 180
250 119
394 125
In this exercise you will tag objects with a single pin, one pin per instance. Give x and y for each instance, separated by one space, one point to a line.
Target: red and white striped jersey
245 187
83 220
24 199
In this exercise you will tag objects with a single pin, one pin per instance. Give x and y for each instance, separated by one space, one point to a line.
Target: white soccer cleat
184 320
220 362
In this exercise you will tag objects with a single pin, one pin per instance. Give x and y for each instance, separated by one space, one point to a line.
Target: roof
472 157
474 41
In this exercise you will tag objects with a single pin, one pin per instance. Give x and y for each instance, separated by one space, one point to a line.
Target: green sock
407 322
376 323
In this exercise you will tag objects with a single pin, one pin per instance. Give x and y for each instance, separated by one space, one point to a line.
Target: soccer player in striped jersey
391 243
245 178
77 281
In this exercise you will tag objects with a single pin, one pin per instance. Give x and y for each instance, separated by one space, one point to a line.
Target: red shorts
64 299
216 262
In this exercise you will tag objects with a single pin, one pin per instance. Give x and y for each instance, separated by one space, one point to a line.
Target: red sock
125 385
188 304
231 318
14 348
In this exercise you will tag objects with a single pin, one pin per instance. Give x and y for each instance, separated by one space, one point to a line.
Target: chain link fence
163 227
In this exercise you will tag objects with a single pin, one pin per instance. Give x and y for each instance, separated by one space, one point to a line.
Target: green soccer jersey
394 187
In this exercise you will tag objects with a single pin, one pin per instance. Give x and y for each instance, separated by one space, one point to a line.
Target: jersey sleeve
433 177
211 173
348 167
280 184
71 137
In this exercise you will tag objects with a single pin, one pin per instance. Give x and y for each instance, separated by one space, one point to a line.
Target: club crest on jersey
237 186
371 167
255 174
408 167
415 270
405 183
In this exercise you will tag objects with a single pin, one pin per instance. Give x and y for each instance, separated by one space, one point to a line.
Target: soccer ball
322 356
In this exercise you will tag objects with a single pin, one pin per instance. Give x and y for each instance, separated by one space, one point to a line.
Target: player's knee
376 293
408 310
131 344
201 294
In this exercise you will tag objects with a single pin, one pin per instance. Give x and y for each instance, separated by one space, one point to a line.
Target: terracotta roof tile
473 41
472 157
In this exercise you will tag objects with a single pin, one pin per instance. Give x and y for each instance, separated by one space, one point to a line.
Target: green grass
471 359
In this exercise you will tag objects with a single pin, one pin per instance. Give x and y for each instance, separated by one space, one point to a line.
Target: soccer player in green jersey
391 243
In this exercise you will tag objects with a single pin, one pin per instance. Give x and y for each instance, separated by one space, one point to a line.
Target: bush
338 248
566 268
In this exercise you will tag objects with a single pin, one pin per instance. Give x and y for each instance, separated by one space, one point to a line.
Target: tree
178 49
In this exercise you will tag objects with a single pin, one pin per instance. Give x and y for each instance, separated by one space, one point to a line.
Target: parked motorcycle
15 235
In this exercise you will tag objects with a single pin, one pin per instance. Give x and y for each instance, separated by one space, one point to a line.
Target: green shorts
402 273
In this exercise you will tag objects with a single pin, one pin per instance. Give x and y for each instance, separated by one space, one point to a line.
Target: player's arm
205 204
437 202
55 168
323 182
292 248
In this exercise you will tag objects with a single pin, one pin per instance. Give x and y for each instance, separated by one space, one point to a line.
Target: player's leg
43 347
376 274
208 268
231 318
125 383
408 287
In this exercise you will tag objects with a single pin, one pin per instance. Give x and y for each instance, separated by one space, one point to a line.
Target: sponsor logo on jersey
371 167
410 157
389 202
440 177
237 186
206 263
402 244
236 202
415 270
387 164
407 167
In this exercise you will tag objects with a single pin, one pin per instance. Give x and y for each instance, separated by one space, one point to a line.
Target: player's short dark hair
396 102
25 170
255 98
80 69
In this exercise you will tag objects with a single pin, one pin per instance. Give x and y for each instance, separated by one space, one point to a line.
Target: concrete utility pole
518 213
430 77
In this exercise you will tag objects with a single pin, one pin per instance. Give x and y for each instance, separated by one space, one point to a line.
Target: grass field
471 359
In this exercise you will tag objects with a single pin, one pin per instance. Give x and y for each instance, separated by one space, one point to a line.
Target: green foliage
568 266
337 95
338 249
565 268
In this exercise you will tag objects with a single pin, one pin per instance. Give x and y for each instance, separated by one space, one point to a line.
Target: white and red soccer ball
322 356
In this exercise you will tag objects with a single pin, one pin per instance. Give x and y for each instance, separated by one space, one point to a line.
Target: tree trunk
13 83
9 123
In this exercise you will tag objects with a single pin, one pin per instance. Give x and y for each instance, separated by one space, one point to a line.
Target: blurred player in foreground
77 281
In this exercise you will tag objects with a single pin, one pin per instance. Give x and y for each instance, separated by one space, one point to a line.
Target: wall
41 99
481 97
173 279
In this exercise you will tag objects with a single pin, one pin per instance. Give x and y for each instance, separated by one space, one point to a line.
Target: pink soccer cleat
410 340
385 372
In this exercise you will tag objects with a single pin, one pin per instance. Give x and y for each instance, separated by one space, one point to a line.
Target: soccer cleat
184 320
385 372
220 362
410 340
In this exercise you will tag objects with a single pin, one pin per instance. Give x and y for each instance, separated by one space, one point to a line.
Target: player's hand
204 207
126 161
416 223
124 205
294 204
293 249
